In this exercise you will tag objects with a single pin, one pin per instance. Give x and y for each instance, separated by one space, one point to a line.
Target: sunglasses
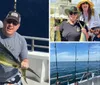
14 22
73 13
85 3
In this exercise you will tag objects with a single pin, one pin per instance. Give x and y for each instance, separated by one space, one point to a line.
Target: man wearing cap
88 15
16 44
72 29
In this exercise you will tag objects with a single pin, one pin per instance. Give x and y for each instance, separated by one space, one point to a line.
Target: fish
57 36
8 59
82 36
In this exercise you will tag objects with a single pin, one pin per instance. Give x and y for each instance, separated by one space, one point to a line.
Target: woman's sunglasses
14 22
71 13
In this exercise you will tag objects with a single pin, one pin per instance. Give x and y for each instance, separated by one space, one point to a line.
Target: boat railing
33 45
70 78
39 60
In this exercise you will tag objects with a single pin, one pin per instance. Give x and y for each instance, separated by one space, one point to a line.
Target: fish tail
24 74
29 69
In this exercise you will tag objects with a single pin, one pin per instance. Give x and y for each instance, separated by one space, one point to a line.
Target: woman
88 15
71 30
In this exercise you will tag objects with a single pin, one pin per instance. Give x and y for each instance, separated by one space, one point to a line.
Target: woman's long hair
90 11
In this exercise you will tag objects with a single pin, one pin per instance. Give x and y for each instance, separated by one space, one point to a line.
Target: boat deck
33 82
39 62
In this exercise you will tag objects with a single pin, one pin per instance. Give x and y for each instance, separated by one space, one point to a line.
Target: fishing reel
57 82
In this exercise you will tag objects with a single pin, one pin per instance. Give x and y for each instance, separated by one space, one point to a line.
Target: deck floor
32 82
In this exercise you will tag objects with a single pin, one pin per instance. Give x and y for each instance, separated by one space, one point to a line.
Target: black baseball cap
13 15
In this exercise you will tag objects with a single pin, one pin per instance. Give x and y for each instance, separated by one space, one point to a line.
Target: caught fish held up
7 59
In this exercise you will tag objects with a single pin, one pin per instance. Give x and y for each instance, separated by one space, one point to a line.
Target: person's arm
24 55
86 33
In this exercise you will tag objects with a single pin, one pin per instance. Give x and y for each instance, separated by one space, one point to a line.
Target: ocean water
65 68
34 17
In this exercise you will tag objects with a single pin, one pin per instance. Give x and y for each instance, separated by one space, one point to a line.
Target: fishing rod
75 63
99 61
55 32
57 82
88 59
15 5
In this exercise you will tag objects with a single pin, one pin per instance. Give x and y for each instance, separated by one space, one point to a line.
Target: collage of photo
74 42
50 42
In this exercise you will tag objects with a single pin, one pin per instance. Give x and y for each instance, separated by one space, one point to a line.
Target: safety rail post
32 45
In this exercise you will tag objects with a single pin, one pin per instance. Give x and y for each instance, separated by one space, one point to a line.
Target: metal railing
33 45
79 77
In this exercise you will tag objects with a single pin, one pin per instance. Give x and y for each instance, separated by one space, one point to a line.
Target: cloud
62 56
95 46
82 55
68 56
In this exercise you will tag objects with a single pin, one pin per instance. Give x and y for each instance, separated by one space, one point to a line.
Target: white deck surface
32 82
39 62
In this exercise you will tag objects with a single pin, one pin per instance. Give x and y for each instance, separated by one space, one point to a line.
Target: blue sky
66 51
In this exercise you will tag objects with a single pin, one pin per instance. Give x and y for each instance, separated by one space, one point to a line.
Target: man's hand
84 30
25 64
56 28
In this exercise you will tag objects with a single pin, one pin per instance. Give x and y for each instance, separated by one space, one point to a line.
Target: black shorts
15 81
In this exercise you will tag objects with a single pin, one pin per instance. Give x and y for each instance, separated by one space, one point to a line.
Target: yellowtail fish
83 36
7 59
57 36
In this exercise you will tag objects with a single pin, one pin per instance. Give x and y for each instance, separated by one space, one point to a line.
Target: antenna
15 5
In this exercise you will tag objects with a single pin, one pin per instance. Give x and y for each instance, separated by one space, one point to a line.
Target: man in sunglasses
72 29
16 44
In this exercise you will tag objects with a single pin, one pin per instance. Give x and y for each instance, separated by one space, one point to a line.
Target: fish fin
24 74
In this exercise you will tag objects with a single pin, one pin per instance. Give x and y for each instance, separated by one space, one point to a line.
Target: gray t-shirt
71 32
18 47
